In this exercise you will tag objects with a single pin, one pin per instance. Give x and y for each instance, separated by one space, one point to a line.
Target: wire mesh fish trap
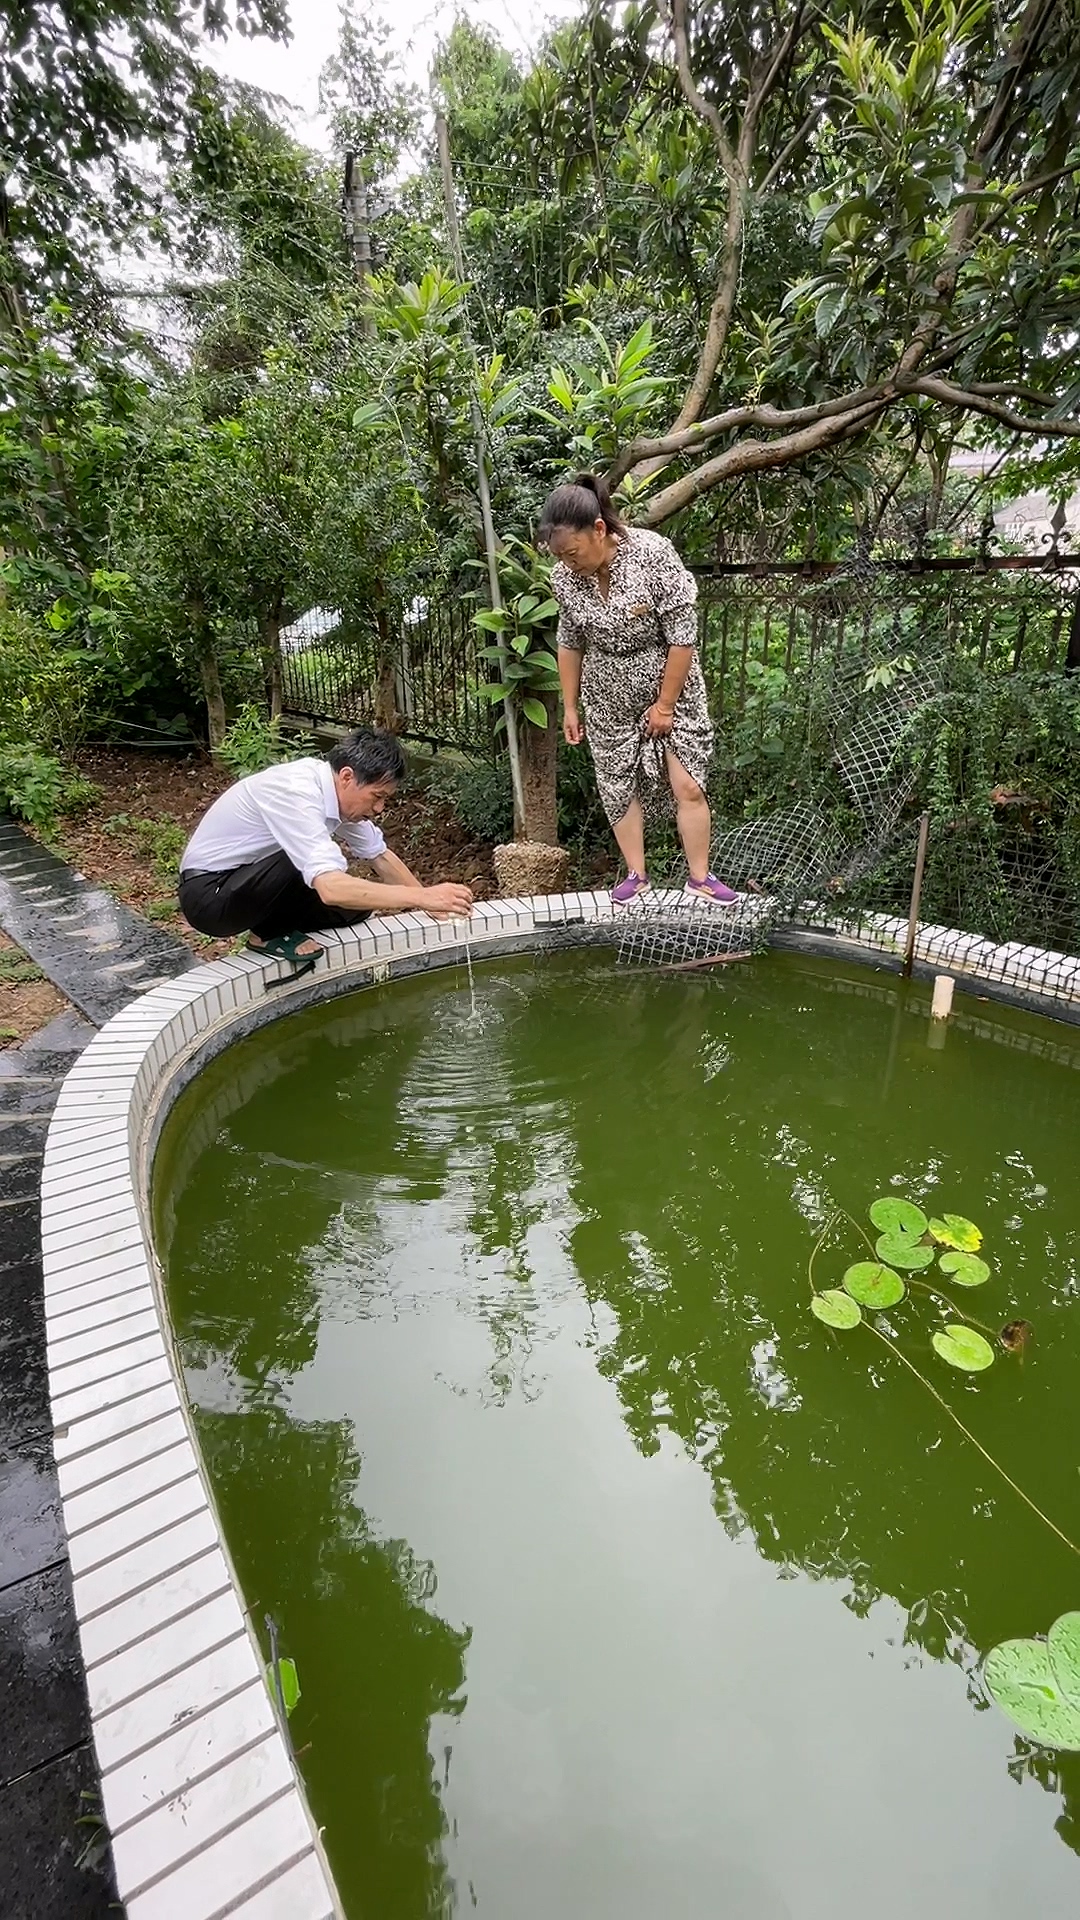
670 929
798 859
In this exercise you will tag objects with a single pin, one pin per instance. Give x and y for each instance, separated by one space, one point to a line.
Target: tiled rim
206 1811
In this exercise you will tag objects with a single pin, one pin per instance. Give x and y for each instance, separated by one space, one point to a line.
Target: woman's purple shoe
629 888
712 889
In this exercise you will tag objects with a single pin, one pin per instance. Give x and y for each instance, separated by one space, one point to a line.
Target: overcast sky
292 71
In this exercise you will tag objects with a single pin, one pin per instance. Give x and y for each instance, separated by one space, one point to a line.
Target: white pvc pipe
941 1004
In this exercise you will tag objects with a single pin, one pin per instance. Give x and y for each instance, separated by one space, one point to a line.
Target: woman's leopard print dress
651 606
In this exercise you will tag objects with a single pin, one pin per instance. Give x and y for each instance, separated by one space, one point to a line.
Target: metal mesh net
805 856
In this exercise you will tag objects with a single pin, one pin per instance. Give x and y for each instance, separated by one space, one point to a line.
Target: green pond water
619 1587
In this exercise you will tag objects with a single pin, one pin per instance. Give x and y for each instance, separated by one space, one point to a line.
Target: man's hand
659 721
573 727
448 900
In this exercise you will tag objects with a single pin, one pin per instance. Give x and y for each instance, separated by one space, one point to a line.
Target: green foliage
16 970
597 409
284 1684
963 1348
253 742
523 631
162 840
836 1309
911 1243
373 112
46 682
874 1285
480 795
32 784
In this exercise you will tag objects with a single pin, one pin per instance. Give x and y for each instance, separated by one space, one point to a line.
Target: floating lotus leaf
900 1250
955 1231
964 1348
290 1683
836 1308
873 1285
1063 1641
898 1216
965 1268
1021 1677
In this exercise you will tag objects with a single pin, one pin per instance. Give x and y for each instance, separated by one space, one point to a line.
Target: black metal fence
759 627
419 670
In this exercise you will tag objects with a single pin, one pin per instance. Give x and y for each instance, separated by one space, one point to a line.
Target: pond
618 1585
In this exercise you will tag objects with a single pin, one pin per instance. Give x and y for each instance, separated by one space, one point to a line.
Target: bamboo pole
916 897
480 438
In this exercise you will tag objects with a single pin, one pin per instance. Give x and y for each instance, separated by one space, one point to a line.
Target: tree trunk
216 724
538 748
386 706
270 644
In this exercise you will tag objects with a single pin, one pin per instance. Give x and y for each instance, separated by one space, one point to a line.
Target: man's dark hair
372 756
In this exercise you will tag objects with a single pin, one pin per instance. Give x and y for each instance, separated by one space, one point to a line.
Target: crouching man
267 858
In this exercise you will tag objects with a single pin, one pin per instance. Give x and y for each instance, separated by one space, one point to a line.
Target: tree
946 217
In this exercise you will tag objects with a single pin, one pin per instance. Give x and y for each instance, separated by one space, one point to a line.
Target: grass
18 971
162 841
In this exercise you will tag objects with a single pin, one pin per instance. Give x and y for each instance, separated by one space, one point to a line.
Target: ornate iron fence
759 626
758 623
420 670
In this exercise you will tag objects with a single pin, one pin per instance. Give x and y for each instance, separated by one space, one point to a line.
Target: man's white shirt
292 809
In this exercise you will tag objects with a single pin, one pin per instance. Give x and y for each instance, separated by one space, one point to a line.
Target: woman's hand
659 720
573 727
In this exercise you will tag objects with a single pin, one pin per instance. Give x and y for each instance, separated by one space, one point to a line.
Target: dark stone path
56 1863
93 948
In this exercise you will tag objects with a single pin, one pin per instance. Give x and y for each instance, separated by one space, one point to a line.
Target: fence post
916 897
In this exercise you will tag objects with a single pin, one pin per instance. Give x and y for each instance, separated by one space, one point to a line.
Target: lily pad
964 1348
1063 1641
873 1285
965 1268
290 1683
1021 1678
898 1216
954 1231
900 1250
836 1308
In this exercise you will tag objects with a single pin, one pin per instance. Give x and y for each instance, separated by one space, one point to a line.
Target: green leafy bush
253 743
480 796
32 784
45 685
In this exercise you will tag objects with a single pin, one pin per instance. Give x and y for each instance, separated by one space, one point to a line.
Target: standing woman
627 645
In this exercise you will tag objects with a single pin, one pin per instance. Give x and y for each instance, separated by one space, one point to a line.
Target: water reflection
378 1664
629 1170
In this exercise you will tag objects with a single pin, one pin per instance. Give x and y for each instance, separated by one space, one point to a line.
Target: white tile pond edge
206 1811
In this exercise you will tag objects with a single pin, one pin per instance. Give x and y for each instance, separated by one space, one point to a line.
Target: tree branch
776 419
694 97
789 151
975 402
737 163
756 456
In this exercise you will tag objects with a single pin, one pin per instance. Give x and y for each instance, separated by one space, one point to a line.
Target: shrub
45 685
253 742
32 784
480 796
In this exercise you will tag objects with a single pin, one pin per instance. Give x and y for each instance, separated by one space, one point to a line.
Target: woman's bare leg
692 816
630 834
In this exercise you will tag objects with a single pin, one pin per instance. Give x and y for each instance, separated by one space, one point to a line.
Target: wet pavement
55 1855
92 947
